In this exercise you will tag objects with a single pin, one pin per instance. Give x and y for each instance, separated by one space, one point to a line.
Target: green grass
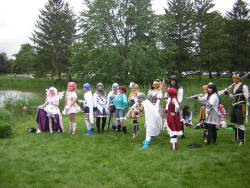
113 160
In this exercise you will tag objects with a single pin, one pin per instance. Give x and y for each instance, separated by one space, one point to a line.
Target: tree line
112 40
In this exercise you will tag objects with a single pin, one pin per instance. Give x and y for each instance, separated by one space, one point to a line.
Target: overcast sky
18 17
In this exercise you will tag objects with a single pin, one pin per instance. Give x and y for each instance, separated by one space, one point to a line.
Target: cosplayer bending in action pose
153 121
212 113
121 103
49 117
180 91
155 94
203 99
71 108
133 101
100 107
173 117
87 104
239 108
111 105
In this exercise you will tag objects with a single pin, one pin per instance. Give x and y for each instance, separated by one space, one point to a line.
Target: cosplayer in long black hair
212 117
214 90
174 84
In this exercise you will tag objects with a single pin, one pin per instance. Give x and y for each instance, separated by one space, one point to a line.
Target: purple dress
43 121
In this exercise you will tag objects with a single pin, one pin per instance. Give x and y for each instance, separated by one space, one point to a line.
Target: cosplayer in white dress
71 108
153 121
212 113
51 107
100 107
155 94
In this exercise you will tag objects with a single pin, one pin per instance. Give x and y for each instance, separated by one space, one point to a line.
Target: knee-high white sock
50 125
173 140
148 138
70 126
88 123
74 126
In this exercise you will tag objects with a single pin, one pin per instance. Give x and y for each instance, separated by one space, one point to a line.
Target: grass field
113 159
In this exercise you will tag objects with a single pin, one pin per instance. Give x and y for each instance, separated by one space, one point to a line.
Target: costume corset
171 107
239 95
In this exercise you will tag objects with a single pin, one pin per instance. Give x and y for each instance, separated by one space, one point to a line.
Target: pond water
15 95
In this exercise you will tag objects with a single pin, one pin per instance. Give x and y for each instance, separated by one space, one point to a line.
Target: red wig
172 92
122 88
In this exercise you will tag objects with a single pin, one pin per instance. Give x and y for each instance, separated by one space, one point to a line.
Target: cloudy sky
18 17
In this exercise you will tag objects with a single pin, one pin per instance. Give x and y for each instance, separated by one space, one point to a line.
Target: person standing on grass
49 112
111 105
173 117
203 99
239 94
121 103
88 104
212 119
174 83
155 94
100 107
153 121
71 108
132 101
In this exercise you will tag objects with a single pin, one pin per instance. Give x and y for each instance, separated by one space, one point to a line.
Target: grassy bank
113 159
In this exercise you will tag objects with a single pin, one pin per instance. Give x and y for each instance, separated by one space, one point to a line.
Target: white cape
153 119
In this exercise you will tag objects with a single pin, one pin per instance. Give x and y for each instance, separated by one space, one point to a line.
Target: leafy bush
5 115
5 131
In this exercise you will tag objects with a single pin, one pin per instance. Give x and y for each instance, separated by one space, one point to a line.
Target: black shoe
113 128
118 128
124 129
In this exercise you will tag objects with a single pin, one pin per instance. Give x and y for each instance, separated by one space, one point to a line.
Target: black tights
98 121
211 133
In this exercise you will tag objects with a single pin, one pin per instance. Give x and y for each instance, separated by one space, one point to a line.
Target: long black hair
214 90
176 86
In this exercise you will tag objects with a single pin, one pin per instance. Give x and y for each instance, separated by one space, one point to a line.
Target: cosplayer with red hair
173 117
121 103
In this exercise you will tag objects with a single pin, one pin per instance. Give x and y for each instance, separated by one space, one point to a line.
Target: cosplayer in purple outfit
49 117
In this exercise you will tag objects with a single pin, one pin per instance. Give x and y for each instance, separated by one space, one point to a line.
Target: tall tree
24 59
54 36
214 53
211 51
178 34
4 63
113 26
238 30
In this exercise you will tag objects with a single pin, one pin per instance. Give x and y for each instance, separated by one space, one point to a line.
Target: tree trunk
210 75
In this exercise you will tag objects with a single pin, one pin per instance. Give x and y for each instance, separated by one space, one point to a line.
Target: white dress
52 105
71 108
153 119
101 104
212 112
155 97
